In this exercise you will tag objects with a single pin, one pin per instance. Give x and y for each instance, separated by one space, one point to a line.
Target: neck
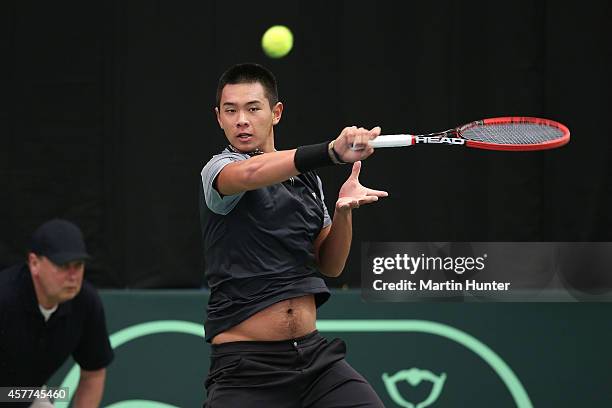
268 143
268 146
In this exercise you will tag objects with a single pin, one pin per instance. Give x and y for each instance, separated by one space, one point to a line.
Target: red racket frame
517 147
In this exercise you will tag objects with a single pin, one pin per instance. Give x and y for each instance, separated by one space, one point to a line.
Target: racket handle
392 141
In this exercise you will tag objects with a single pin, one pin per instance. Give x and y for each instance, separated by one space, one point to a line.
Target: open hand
352 194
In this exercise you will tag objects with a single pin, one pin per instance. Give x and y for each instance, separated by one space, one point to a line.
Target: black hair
246 74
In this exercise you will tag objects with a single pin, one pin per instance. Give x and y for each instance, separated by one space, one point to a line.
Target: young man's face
246 117
57 283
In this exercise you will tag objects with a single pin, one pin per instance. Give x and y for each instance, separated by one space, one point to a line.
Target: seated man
47 313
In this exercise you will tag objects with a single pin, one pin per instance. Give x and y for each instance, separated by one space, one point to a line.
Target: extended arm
275 167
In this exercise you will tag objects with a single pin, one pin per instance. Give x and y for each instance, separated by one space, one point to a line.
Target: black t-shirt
259 244
31 350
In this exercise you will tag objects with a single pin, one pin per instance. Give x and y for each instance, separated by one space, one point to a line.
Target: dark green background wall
560 352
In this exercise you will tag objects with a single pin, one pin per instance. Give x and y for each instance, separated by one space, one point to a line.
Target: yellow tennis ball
277 41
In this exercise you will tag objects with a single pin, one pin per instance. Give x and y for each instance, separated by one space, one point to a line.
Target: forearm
256 172
335 249
90 389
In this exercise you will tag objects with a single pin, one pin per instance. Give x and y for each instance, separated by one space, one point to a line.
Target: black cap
59 240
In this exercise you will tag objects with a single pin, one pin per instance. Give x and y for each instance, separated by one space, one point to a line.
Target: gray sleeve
214 201
326 218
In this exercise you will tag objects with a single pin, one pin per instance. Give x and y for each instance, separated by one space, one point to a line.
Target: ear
277 112
218 117
33 263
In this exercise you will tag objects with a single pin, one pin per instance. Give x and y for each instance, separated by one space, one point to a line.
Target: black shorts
305 372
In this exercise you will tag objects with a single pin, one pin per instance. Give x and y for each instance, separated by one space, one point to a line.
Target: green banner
415 355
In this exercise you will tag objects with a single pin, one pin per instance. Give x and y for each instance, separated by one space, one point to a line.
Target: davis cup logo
414 377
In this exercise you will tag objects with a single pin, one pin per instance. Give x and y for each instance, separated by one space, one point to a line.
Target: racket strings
512 133
445 133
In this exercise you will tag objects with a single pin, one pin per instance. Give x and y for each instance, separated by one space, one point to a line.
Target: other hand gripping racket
517 133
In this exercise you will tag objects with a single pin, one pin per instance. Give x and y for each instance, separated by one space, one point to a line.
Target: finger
367 152
365 135
368 200
377 193
356 170
375 131
360 139
346 132
354 141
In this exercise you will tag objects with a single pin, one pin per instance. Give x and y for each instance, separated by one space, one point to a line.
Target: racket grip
392 141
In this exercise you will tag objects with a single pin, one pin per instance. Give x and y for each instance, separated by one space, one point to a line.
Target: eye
70 265
230 110
254 109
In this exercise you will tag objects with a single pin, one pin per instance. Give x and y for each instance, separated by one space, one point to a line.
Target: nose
242 120
73 271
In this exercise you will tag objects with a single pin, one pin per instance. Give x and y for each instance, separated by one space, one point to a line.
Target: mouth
244 137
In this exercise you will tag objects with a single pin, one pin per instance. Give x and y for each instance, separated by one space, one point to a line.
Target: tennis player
267 236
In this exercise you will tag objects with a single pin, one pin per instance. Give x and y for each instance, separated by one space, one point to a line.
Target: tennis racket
518 133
